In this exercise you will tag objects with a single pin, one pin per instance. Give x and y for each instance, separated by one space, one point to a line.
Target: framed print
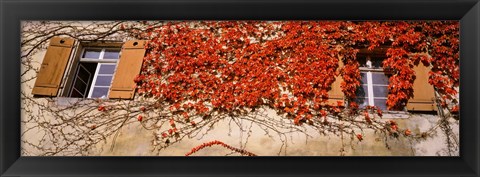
308 88
300 88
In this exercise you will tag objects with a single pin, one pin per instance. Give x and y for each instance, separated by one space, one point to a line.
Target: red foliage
215 142
455 109
232 66
367 117
359 137
101 108
407 132
393 127
351 75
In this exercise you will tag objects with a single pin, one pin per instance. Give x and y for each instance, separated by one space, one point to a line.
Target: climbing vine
238 66
198 73
216 142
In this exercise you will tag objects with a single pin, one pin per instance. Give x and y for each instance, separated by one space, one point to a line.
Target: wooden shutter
423 93
53 66
128 68
336 94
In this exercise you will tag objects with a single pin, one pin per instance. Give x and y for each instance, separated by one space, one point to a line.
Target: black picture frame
12 12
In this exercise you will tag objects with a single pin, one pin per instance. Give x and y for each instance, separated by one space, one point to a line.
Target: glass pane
362 102
92 53
379 78
76 94
362 60
380 103
111 54
362 91
84 74
106 69
364 80
380 91
83 79
99 92
103 80
80 85
377 62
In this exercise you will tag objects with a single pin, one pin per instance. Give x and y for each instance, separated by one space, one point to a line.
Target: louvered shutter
53 66
336 94
423 93
128 68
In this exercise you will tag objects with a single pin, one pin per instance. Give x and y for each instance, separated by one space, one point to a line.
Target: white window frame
369 70
100 61
75 81
95 76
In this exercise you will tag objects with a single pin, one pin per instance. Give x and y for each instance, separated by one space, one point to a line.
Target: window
373 88
95 71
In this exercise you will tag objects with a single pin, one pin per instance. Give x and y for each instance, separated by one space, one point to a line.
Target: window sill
69 101
403 114
396 115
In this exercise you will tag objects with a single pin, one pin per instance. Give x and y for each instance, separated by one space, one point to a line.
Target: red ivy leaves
216 142
232 66
359 137
101 108
407 132
351 78
401 82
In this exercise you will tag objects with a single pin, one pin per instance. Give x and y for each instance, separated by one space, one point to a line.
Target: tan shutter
336 94
423 93
53 66
128 68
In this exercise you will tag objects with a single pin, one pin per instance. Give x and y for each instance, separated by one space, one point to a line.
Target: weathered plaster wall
135 141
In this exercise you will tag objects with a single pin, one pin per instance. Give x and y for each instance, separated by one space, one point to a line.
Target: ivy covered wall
289 86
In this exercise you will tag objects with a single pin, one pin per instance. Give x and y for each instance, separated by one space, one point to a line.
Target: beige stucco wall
134 140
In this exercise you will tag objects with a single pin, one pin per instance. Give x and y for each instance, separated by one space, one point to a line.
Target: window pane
379 78
362 60
103 80
362 102
377 62
362 91
92 53
106 69
380 103
76 94
99 92
83 76
83 79
380 91
111 54
86 70
80 85
363 79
